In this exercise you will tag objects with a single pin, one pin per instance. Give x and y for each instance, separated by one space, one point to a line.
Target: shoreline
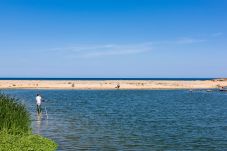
111 84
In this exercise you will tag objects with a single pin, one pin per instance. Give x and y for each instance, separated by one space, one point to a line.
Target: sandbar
111 84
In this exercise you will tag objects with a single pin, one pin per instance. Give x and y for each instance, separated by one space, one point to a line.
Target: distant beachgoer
117 86
38 103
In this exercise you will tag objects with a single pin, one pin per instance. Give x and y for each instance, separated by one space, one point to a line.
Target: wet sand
110 84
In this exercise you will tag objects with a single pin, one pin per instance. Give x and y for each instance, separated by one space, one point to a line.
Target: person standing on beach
38 103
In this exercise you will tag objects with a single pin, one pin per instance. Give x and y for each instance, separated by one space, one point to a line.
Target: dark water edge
137 120
174 79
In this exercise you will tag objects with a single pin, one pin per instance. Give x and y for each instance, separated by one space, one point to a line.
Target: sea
131 120
175 79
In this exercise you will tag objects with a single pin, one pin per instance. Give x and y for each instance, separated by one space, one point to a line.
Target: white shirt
38 100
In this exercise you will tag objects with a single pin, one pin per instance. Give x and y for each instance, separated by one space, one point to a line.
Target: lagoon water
130 119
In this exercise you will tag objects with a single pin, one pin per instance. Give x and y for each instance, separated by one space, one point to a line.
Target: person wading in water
38 103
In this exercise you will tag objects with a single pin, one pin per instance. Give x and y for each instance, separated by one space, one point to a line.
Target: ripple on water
131 119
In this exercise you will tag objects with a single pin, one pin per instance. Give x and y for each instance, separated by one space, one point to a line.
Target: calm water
131 119
184 79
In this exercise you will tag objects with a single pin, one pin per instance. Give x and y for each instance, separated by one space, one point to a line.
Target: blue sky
113 38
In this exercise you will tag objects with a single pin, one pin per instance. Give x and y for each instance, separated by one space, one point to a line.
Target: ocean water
146 120
184 79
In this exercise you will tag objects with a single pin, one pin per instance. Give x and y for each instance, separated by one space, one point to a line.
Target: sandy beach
110 84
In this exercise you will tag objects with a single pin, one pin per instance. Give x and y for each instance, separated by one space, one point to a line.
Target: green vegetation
13 116
15 130
25 142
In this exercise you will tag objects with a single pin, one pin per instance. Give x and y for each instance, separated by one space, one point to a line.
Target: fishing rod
45 110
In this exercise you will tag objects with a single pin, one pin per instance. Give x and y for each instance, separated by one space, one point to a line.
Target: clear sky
113 38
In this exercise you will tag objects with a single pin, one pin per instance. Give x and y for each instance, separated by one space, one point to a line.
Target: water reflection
41 122
38 122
